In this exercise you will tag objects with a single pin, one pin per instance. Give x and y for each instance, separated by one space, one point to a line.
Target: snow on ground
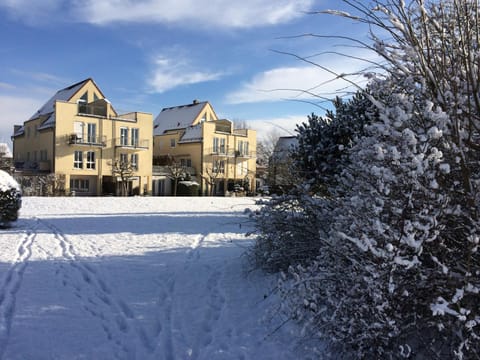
135 278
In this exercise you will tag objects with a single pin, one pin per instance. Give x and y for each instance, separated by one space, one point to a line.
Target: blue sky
149 54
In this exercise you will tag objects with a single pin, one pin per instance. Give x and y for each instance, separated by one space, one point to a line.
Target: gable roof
177 117
62 95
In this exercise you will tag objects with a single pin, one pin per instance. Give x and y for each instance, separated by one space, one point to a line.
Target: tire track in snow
11 285
116 318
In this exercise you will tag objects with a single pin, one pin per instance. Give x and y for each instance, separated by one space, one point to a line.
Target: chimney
195 101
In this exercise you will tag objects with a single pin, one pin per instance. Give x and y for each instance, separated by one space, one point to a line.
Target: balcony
124 143
230 153
75 139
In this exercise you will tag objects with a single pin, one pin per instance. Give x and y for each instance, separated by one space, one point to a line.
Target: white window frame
78 159
134 161
222 146
123 158
80 185
90 160
91 132
219 166
243 147
135 136
123 136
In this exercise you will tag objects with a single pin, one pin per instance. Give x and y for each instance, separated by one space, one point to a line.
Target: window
219 166
78 160
43 155
243 147
82 103
91 133
242 168
90 164
28 155
134 161
135 133
35 155
172 143
222 146
216 145
80 185
123 136
123 159
186 162
78 129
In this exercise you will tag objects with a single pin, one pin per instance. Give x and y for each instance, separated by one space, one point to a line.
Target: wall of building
106 145
35 147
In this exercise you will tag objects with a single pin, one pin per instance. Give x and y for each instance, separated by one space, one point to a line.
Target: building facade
78 136
222 158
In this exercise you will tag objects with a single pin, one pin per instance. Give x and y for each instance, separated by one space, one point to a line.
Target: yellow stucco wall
106 146
202 155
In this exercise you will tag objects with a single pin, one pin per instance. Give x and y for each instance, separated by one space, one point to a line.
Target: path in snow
134 278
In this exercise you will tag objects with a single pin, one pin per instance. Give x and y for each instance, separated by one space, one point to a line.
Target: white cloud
170 72
197 13
280 126
203 13
300 82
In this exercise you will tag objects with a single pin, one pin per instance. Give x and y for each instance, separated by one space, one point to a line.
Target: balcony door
78 127
92 133
124 136
135 137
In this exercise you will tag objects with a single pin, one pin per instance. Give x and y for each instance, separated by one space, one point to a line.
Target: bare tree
125 171
211 176
177 173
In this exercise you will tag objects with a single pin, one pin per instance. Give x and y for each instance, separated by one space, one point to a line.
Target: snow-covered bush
324 141
288 227
397 270
10 199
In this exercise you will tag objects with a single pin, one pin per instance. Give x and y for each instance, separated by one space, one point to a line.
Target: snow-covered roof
7 182
62 95
5 150
49 122
192 134
177 117
19 131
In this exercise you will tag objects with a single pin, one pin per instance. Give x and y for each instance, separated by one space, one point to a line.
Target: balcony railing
126 143
230 153
75 139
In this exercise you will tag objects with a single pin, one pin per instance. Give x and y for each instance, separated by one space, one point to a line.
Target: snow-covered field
134 278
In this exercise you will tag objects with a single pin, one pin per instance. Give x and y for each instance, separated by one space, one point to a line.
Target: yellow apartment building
223 158
79 136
